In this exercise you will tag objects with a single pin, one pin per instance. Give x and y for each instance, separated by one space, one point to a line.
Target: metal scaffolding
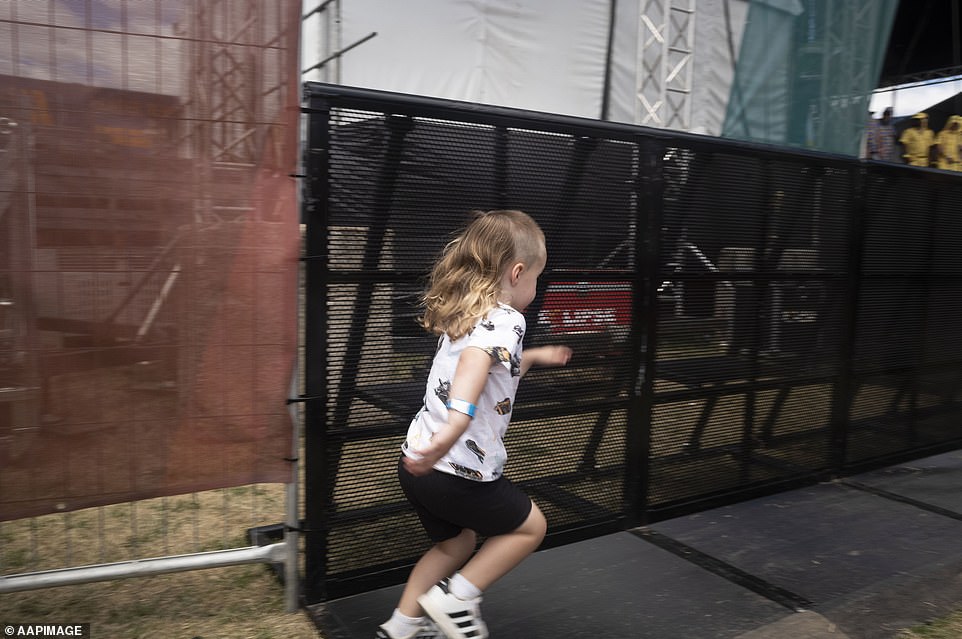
19 375
234 64
666 45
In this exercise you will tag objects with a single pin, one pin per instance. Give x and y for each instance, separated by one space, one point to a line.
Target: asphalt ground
857 558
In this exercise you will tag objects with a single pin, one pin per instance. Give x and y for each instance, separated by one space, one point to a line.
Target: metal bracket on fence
301 399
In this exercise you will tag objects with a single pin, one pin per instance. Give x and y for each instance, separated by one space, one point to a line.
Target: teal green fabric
806 71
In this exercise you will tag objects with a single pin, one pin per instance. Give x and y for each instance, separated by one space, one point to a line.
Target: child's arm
544 356
469 379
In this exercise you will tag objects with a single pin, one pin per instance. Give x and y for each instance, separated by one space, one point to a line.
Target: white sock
400 625
462 588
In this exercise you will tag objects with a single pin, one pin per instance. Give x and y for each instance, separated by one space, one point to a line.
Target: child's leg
499 554
441 561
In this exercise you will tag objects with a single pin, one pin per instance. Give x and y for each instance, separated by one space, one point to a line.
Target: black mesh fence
906 373
744 319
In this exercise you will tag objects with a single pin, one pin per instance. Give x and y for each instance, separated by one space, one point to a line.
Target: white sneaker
427 631
456 618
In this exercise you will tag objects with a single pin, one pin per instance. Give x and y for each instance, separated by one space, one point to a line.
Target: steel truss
235 63
666 46
19 375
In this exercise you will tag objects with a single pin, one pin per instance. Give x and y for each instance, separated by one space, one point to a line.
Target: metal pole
338 54
314 193
292 519
272 553
606 87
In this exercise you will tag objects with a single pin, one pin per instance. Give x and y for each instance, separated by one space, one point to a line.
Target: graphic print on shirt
474 448
498 353
464 471
482 459
516 365
416 444
502 355
443 389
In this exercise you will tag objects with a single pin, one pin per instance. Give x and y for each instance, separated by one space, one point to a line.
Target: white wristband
462 406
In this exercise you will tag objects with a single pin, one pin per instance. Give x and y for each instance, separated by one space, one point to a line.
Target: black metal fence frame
841 368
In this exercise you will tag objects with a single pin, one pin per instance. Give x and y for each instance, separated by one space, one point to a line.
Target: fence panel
148 251
398 187
723 321
906 352
749 326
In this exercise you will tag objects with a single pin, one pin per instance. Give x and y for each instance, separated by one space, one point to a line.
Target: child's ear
516 272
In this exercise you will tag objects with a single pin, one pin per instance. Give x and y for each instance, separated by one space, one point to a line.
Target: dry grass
198 522
225 603
949 627
240 602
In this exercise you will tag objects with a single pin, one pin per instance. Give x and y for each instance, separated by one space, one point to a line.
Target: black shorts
447 504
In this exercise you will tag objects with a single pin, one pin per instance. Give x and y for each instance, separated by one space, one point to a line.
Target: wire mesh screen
751 270
907 349
148 248
727 317
399 187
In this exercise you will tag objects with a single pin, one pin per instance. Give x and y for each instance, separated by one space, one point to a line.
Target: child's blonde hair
466 279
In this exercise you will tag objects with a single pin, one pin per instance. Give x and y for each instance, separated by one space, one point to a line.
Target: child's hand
422 464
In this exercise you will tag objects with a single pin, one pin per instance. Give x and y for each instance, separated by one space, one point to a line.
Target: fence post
844 392
291 505
316 185
644 326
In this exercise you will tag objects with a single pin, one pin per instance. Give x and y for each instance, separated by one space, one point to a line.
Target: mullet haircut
466 279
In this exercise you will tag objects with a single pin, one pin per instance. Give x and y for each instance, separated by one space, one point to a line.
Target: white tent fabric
542 55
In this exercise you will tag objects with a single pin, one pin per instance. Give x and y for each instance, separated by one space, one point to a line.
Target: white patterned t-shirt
479 453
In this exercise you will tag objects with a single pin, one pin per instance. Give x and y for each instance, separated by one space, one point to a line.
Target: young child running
453 458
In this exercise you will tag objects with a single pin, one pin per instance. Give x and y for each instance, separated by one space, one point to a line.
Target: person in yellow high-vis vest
948 141
917 141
